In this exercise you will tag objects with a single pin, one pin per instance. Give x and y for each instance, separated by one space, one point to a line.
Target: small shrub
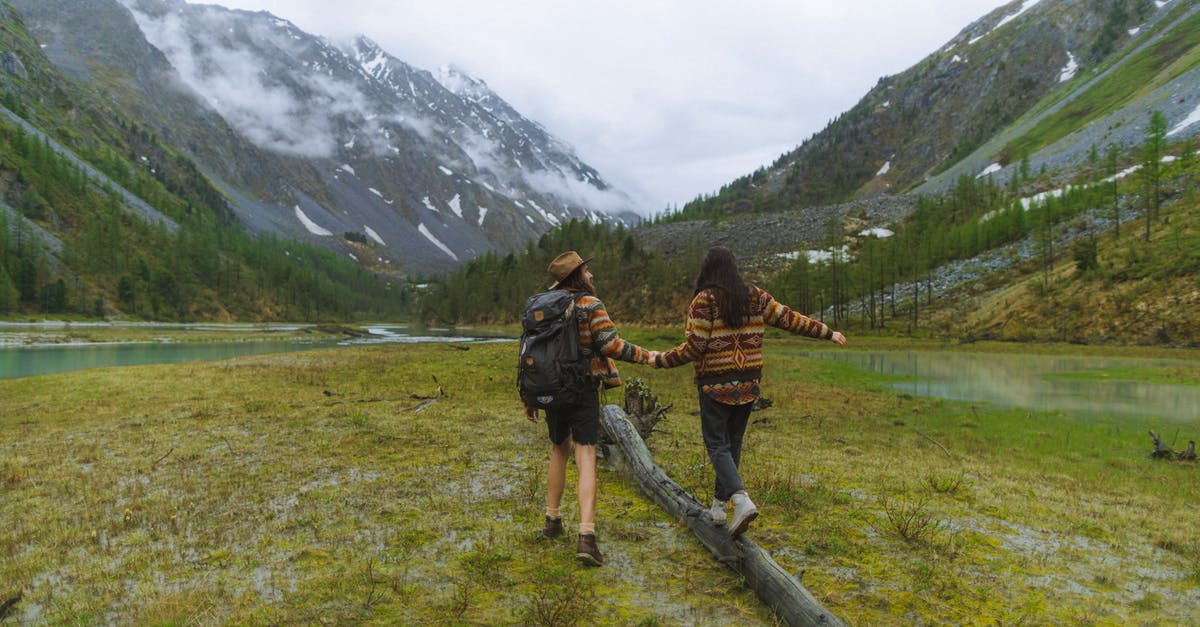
559 599
1085 254
360 419
910 521
943 484
11 474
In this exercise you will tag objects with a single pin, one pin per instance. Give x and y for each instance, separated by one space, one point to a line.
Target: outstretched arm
698 332
780 315
609 343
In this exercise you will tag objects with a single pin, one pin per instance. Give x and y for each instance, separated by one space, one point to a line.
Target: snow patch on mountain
312 227
1191 119
373 235
991 169
1025 6
436 242
1069 70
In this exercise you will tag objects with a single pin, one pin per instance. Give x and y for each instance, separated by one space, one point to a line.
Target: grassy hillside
1137 291
1135 77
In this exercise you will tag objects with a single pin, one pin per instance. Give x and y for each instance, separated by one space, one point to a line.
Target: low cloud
256 99
265 79
554 183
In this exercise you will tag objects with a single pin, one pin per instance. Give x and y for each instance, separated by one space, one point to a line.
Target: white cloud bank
254 98
668 100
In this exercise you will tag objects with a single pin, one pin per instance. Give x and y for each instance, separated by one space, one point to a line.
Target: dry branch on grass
1162 451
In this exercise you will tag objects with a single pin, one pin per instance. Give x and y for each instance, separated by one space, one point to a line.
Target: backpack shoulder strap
581 318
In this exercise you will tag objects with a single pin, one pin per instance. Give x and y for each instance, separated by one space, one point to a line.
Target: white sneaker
718 511
744 511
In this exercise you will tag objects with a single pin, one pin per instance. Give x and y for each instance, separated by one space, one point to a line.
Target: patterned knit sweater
598 333
723 354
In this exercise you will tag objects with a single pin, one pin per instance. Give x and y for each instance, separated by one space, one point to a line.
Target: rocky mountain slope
344 145
1035 84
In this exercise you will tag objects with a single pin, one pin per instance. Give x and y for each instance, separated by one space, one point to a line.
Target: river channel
47 348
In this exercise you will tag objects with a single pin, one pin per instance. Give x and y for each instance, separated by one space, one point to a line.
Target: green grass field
308 488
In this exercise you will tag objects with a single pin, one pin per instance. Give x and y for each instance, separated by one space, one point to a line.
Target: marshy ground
308 487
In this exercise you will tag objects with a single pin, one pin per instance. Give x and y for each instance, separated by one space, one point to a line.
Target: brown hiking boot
553 528
587 552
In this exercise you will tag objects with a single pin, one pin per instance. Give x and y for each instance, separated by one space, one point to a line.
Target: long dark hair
719 272
574 281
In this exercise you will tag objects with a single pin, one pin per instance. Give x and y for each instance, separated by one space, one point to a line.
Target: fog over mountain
318 140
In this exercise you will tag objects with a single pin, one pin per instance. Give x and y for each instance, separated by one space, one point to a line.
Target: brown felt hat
563 265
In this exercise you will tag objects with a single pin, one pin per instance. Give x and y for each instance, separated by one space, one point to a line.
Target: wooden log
780 590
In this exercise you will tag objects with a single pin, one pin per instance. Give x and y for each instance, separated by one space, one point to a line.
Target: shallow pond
1032 381
46 348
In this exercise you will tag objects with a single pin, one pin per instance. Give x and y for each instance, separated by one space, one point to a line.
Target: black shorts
581 421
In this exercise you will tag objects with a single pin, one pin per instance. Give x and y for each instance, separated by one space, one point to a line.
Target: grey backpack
552 370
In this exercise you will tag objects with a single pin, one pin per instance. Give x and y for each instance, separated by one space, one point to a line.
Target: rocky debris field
765 235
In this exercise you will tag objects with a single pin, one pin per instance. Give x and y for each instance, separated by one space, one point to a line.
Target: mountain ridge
347 135
918 130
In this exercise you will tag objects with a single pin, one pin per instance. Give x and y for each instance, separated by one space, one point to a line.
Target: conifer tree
1187 164
1112 161
1152 153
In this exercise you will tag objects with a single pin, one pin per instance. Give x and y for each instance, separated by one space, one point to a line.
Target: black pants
723 427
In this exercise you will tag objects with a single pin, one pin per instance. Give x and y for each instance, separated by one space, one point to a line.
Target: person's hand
531 413
838 338
653 361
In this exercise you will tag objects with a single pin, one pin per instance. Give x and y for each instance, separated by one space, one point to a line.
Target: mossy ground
303 487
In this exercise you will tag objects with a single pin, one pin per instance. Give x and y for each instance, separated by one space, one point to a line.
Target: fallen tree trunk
781 591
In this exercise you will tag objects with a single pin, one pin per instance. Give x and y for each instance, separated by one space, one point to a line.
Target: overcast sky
668 99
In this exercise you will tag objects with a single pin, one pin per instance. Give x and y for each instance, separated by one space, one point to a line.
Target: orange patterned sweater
722 354
598 333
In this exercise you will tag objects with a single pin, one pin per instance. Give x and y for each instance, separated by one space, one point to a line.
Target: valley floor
322 486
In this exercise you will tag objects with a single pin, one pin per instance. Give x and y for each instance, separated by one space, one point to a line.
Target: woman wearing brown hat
580 424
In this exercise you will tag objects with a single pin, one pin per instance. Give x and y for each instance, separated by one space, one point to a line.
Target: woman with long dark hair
725 323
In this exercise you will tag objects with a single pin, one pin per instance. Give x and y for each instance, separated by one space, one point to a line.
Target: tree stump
780 590
1161 450
642 408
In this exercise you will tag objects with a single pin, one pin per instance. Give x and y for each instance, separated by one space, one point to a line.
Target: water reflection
34 349
1009 380
407 335
28 361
